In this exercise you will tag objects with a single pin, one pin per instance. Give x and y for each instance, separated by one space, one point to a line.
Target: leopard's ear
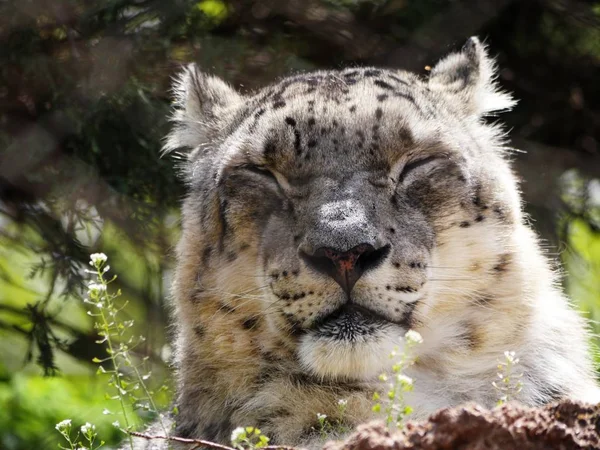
201 103
470 76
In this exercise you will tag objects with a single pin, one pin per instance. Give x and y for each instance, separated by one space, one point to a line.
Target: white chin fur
364 358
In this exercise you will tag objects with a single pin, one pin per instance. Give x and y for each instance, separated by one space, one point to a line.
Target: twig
202 443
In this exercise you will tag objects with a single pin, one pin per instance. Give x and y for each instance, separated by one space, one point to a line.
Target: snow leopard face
344 193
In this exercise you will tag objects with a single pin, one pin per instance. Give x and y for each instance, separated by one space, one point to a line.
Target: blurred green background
84 96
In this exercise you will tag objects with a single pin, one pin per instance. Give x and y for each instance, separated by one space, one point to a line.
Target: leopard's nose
346 266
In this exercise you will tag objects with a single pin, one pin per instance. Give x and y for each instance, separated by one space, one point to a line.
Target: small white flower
321 417
81 448
511 357
96 289
342 402
403 379
63 425
116 424
87 427
98 258
238 434
413 337
106 412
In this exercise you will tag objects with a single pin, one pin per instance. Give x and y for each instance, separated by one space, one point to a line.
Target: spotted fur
339 159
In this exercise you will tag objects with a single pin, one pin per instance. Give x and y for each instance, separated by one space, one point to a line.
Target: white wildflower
321 417
413 337
342 403
65 424
404 380
97 259
511 357
237 434
87 427
116 424
106 412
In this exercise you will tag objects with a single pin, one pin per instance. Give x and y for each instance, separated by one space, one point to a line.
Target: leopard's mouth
349 323
352 343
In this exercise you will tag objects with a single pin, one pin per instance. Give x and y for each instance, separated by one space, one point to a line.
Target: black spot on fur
311 143
398 80
294 324
372 73
352 108
206 253
470 337
503 263
200 331
297 141
223 204
269 149
278 104
479 218
271 357
378 113
465 224
311 121
407 320
250 323
406 289
290 121
406 136
500 212
224 307
231 256
382 97
382 84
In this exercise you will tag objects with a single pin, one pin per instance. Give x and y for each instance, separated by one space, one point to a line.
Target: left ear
470 75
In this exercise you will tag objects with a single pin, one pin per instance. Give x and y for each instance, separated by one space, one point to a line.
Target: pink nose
346 267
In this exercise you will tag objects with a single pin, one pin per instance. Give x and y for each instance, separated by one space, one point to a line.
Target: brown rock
564 425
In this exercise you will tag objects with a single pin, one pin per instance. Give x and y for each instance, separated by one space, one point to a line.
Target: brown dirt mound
564 425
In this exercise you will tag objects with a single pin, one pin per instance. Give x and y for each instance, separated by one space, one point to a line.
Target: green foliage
127 378
509 383
30 406
329 427
248 438
392 403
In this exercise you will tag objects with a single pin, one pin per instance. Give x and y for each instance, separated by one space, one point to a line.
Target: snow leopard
333 211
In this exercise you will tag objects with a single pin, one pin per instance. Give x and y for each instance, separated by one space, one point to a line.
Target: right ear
201 103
